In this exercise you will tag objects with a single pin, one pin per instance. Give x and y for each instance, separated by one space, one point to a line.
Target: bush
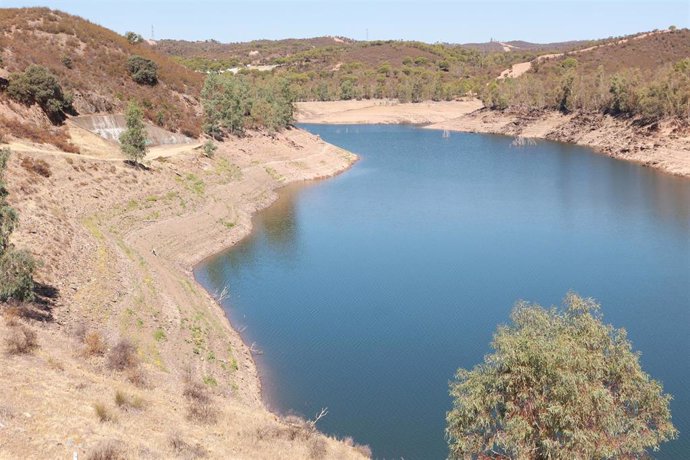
94 345
20 340
560 384
123 356
210 148
143 71
16 275
37 166
37 85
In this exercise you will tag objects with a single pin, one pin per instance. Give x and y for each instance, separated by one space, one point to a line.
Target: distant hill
90 62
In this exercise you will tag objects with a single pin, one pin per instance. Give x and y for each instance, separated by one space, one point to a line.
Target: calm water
367 291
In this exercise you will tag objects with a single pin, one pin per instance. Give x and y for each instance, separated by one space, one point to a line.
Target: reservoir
365 292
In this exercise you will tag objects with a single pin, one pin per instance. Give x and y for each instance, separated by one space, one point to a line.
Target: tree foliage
231 104
134 139
16 266
133 38
143 71
559 385
651 96
37 85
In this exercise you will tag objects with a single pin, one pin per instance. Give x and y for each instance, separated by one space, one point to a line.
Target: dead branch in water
521 141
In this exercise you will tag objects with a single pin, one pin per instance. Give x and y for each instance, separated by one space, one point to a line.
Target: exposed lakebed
367 291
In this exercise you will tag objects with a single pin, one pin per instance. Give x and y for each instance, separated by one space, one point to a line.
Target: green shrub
559 384
210 148
37 85
143 71
16 266
16 275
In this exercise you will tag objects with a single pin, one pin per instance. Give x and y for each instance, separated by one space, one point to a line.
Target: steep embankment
117 246
664 145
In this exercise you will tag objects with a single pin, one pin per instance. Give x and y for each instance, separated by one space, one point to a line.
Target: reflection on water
368 290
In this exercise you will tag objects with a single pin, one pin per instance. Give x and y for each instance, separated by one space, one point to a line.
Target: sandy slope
118 245
382 111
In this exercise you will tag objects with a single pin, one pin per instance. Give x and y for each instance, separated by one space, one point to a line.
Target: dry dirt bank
665 145
382 111
117 245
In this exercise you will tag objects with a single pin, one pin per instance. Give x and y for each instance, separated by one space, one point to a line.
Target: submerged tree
133 141
559 385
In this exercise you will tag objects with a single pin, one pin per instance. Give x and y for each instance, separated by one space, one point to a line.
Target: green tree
560 384
227 104
619 90
143 71
37 85
565 104
134 139
133 38
347 90
16 266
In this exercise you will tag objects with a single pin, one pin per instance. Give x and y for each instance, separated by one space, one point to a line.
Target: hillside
90 62
334 68
646 75
115 351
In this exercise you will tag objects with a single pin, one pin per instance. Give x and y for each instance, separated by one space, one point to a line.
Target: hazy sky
430 21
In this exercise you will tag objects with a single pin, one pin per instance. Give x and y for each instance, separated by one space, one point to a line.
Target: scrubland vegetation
16 265
653 86
234 103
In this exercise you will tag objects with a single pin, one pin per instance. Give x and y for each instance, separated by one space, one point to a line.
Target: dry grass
361 448
37 166
123 356
108 450
185 450
103 413
318 448
94 344
52 135
128 402
200 407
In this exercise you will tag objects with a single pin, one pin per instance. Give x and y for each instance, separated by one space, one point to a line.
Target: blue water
367 291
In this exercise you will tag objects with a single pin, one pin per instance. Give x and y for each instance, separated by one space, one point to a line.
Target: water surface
367 291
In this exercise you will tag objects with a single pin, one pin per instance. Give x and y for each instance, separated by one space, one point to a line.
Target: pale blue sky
430 21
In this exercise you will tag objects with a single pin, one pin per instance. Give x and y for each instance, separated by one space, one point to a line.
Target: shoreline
119 245
664 146
246 233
